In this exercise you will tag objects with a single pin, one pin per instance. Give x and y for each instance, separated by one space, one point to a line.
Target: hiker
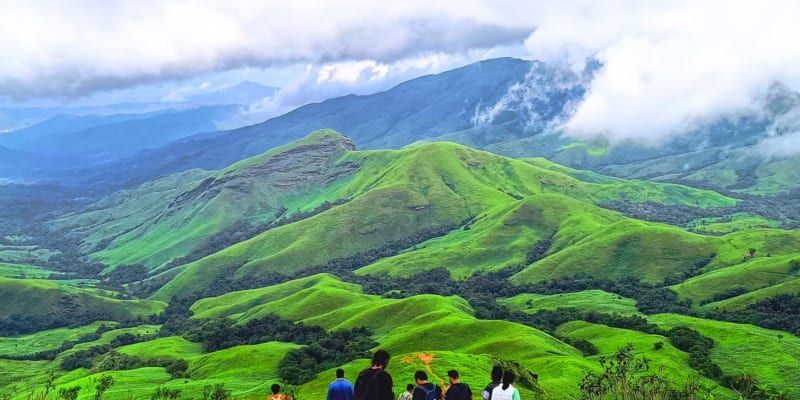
374 383
457 390
506 391
340 389
425 390
407 394
276 393
497 376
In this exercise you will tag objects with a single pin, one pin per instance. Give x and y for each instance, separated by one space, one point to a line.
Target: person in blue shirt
340 389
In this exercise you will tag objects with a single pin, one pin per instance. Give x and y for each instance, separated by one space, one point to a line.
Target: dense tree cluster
106 358
322 350
784 207
780 312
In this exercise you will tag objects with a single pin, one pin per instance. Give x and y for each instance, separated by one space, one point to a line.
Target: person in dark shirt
374 383
457 390
424 387
340 389
497 376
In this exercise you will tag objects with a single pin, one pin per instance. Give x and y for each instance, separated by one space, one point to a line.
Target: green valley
227 281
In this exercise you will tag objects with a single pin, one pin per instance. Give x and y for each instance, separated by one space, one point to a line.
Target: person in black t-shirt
425 390
374 383
457 390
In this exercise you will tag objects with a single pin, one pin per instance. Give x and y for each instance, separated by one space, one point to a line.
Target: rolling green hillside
32 304
667 360
300 224
179 214
398 196
748 349
589 300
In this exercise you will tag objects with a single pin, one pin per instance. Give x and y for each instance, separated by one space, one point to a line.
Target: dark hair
275 388
409 387
421 375
453 374
508 379
381 357
340 373
497 373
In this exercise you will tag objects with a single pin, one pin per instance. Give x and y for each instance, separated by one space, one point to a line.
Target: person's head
275 388
508 379
497 373
339 373
452 376
421 377
410 388
380 358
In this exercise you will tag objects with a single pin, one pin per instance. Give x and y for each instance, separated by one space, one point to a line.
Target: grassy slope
40 298
748 349
172 347
646 250
753 274
766 274
396 194
653 252
444 326
737 222
45 340
673 361
126 212
172 216
21 377
588 300
28 271
502 237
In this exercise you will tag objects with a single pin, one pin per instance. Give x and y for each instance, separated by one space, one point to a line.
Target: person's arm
330 392
516 394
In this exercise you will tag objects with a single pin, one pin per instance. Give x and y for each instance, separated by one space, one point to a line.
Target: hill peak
325 143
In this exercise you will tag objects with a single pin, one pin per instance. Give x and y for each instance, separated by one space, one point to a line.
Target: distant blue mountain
419 109
116 136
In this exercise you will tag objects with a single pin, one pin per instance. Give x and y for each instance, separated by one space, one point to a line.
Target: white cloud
669 65
787 145
55 48
180 94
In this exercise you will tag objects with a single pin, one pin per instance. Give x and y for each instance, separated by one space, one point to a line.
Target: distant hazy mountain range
508 106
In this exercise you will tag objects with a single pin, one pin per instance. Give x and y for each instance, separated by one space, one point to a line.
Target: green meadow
303 213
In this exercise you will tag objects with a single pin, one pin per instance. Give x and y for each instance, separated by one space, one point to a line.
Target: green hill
772 356
30 305
176 215
303 214
406 196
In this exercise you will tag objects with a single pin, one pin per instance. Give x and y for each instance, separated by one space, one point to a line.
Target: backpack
429 394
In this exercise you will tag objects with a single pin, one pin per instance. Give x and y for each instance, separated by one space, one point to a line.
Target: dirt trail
427 359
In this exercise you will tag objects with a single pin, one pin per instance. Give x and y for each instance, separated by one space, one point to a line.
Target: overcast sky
667 64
